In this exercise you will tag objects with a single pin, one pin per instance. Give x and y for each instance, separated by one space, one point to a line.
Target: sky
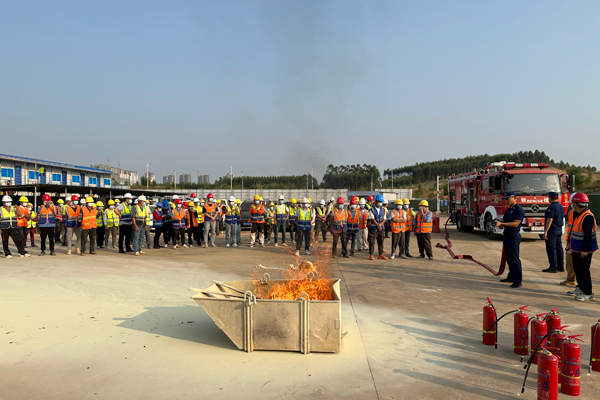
280 87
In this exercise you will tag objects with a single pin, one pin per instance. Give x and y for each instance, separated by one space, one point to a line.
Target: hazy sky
275 87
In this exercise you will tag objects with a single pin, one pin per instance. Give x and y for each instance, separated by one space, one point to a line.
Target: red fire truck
475 198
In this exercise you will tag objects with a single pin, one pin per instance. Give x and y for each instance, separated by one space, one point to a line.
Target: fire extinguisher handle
575 337
489 301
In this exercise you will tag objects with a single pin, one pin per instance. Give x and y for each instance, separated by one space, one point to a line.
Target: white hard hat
332 199
322 202
362 201
196 200
128 196
305 200
385 201
142 198
232 198
6 199
281 197
175 197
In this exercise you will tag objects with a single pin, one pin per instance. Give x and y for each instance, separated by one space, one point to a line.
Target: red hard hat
353 198
210 196
580 198
370 198
74 198
193 195
340 200
46 197
353 201
178 201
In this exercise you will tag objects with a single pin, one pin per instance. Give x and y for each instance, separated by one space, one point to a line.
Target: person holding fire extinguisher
513 217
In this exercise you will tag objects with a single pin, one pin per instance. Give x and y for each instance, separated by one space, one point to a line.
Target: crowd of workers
83 224
580 242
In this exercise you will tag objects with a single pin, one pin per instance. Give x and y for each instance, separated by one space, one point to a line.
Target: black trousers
200 233
376 236
57 231
190 234
17 236
303 236
424 242
157 231
407 236
46 232
293 231
168 232
321 227
125 234
398 242
100 233
342 236
178 233
581 266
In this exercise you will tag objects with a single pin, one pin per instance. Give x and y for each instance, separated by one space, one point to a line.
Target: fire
305 277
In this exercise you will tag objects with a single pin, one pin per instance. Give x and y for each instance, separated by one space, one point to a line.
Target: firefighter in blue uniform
513 217
555 215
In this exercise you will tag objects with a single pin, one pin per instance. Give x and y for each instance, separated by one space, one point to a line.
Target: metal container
302 325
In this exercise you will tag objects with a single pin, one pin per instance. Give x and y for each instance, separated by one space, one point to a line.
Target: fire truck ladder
468 257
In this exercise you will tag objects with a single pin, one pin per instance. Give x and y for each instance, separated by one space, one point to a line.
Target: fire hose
468 257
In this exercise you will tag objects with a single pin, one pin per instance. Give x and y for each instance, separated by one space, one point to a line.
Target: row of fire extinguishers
556 354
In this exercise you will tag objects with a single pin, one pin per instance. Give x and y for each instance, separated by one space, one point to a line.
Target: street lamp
174 173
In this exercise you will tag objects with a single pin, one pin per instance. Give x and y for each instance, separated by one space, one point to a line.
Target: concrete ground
114 326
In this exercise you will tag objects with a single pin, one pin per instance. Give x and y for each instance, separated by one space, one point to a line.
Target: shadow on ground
185 323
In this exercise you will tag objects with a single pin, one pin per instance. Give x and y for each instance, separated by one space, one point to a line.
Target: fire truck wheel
460 224
489 228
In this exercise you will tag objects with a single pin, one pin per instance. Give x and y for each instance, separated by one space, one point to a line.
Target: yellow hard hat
99 204
238 201
117 201
405 201
111 202
398 201
23 199
190 203
271 204
89 200
424 203
309 200
256 197
261 199
60 201
293 201
218 201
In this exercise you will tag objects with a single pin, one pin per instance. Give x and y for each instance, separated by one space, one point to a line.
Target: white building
150 176
15 170
119 175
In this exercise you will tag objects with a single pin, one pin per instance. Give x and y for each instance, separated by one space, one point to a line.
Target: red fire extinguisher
521 332
595 352
553 320
539 329
557 336
547 376
570 366
489 323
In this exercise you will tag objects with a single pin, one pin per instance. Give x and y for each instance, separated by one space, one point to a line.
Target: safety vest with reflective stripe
190 220
31 223
89 218
576 234
321 212
281 211
200 214
178 218
141 216
158 214
211 209
339 220
9 218
292 211
397 226
569 223
99 221
256 214
147 215
304 219
422 226
364 217
126 215
22 222
379 216
231 218
270 217
354 217
72 216
112 219
409 220
47 217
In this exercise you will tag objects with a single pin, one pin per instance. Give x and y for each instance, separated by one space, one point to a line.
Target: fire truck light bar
525 165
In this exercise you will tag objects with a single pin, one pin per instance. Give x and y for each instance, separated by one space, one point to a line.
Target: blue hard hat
379 198
165 204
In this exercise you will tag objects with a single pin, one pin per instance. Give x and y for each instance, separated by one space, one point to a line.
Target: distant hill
428 171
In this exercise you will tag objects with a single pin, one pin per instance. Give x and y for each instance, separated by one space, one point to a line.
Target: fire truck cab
475 198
